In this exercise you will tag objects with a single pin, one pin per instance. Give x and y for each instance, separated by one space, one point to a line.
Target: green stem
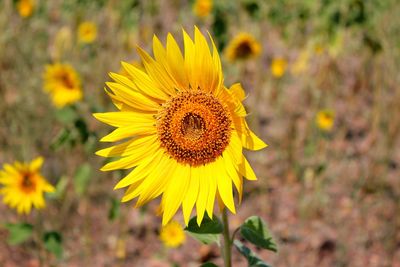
227 248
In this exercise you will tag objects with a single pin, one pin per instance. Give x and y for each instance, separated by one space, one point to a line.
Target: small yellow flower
243 46
325 120
172 235
87 32
63 84
278 67
25 8
202 8
23 185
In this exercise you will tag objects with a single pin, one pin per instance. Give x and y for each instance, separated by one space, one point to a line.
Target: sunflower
243 46
87 32
62 82
185 130
172 235
278 67
325 119
23 185
25 8
202 8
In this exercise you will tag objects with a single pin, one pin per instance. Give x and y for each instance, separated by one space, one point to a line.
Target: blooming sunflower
87 32
62 82
202 8
25 8
172 235
23 185
325 119
242 46
186 130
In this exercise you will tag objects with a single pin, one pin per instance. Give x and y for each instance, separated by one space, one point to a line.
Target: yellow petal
245 169
157 180
141 171
202 197
133 159
173 194
36 164
191 194
144 83
224 185
121 119
130 131
128 147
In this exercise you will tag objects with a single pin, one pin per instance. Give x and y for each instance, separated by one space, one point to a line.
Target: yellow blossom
25 8
202 8
87 32
62 82
242 46
278 67
172 235
325 119
23 185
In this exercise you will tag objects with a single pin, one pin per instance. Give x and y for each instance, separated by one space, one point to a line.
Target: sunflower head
202 8
172 235
87 32
62 82
325 119
243 46
278 67
25 8
23 185
184 130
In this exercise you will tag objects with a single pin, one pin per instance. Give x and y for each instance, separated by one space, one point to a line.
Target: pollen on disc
194 128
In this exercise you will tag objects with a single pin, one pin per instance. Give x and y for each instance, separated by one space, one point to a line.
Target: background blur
330 195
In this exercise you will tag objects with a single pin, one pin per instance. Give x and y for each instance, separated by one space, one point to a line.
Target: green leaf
61 186
63 137
114 210
18 232
81 178
53 243
254 229
208 264
252 259
66 115
209 230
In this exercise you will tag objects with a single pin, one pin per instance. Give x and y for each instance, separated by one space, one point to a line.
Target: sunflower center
27 183
66 80
194 127
243 50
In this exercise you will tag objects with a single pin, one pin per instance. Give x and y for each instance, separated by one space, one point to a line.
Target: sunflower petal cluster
180 129
23 186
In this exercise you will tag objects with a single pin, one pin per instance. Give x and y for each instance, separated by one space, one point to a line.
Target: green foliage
53 243
66 115
61 186
252 259
255 230
114 210
82 177
208 264
209 230
18 232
